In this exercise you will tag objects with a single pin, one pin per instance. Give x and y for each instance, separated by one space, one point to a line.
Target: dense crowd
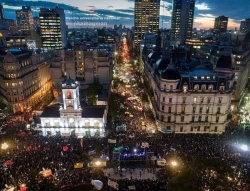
35 153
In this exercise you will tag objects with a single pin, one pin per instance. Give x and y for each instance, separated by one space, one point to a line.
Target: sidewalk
109 172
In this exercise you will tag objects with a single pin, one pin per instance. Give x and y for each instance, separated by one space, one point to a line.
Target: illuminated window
68 95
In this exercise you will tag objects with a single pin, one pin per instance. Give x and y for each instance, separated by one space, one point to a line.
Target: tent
121 128
118 149
97 184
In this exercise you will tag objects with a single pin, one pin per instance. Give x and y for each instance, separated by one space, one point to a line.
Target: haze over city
111 12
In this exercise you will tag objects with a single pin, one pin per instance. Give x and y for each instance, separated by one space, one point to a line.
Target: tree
200 173
92 92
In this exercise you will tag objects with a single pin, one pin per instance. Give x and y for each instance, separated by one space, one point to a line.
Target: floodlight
97 163
244 147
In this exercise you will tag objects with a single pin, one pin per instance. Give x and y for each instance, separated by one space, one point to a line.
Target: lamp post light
97 163
4 146
174 163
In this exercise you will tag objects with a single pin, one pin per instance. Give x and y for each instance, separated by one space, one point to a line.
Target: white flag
145 145
113 184
92 152
111 140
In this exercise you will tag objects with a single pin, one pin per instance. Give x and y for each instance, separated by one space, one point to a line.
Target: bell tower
70 90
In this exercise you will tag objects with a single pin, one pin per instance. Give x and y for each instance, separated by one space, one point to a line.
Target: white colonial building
72 117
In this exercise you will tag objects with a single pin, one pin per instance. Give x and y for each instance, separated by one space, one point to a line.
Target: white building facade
71 117
191 101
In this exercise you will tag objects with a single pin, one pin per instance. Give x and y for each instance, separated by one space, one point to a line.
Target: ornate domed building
25 79
10 58
190 99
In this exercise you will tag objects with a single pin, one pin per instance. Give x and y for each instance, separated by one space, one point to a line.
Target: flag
65 148
131 187
118 149
113 184
92 152
112 141
145 145
78 165
172 149
97 184
81 142
46 173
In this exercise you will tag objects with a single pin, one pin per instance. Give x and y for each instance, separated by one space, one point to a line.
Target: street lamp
97 163
244 147
4 146
174 163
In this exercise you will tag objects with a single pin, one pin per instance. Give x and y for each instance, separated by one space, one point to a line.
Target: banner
111 140
65 148
78 165
113 184
46 173
131 187
118 149
81 142
145 145
92 152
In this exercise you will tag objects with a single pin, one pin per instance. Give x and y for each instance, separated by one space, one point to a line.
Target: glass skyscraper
182 20
53 28
146 18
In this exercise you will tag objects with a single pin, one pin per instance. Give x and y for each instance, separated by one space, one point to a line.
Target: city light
244 147
4 146
97 163
174 163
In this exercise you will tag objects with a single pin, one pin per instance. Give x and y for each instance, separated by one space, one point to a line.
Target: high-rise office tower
220 24
182 20
24 19
245 25
53 28
1 12
146 18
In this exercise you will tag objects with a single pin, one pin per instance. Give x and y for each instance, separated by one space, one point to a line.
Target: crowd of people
36 153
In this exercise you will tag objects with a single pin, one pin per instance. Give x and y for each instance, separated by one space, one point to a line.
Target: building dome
162 64
170 74
9 58
225 61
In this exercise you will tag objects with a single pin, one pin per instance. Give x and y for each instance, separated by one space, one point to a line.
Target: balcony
199 123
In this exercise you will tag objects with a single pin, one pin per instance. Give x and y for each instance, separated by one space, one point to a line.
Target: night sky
99 13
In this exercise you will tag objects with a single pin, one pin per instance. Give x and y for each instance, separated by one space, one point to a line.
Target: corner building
194 100
25 79
182 20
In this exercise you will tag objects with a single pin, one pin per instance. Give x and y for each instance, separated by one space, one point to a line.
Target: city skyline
99 13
